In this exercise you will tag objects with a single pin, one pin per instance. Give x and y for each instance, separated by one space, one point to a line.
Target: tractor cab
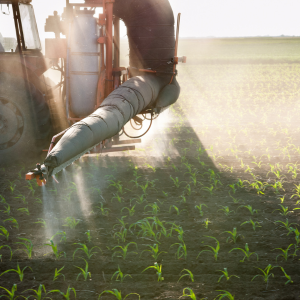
18 28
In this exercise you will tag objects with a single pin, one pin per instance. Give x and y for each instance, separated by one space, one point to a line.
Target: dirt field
224 155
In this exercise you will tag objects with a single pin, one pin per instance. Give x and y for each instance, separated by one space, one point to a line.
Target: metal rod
109 46
116 43
54 138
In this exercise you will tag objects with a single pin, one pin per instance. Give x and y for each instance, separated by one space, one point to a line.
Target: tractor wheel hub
11 124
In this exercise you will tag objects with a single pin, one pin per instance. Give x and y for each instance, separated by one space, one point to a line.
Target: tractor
99 97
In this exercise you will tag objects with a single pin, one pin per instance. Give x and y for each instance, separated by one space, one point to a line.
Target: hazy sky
220 18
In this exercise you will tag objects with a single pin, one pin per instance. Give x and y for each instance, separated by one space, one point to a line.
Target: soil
80 182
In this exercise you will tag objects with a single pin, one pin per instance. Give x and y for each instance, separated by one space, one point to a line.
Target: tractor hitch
38 174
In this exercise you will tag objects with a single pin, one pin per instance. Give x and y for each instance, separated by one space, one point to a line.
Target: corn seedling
42 222
55 251
131 210
214 251
265 274
6 210
226 275
285 224
175 181
117 197
233 235
57 274
246 252
62 233
226 210
154 251
28 246
85 249
38 293
285 252
181 250
6 246
4 232
233 188
11 294
155 209
176 209
84 272
144 187
104 211
209 189
118 294
254 224
12 186
88 234
124 250
289 279
18 271
22 197
205 223
251 210
188 274
277 186
24 210
199 207
158 269
190 294
13 221
226 294
283 211
150 167
119 274
117 185
71 222
67 295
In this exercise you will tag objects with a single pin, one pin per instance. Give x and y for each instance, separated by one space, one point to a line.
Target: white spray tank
84 63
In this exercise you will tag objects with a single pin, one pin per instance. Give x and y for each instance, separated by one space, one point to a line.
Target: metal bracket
102 40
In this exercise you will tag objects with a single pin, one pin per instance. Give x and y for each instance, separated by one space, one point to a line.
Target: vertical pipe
109 49
116 42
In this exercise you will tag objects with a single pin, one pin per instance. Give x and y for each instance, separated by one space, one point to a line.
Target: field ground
228 152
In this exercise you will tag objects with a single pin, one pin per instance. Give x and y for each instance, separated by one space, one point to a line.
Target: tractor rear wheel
24 119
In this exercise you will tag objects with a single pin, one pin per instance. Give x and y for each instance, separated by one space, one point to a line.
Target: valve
37 174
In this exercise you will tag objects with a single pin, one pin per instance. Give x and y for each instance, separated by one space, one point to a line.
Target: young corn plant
13 222
214 251
233 235
28 246
175 181
209 189
154 251
226 210
42 222
178 211
63 236
55 251
226 294
206 222
254 224
117 294
188 274
85 249
283 210
6 210
38 293
88 234
190 293
11 294
154 209
181 250
71 222
144 187
158 269
119 274
57 274
285 252
265 274
249 207
246 252
18 271
131 210
199 207
84 272
285 224
4 232
226 275
117 185
67 295
124 250
104 211
289 279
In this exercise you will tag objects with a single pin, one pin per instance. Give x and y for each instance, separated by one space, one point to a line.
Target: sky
219 18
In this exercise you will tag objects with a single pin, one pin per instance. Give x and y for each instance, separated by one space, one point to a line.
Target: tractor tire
24 119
